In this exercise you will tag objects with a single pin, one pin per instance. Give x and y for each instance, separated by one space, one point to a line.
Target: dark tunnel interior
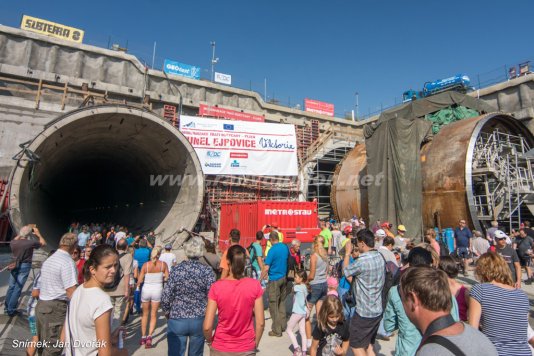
102 168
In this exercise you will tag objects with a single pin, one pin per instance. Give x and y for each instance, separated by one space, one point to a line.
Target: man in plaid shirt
369 271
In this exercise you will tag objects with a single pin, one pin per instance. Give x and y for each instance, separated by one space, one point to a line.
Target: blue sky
324 50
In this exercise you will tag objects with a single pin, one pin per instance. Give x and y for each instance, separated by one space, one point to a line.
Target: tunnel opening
109 164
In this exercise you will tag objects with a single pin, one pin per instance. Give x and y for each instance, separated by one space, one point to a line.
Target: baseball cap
500 235
168 246
401 228
385 224
347 229
380 233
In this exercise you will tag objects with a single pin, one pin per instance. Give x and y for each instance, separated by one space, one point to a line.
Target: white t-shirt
169 258
120 235
86 305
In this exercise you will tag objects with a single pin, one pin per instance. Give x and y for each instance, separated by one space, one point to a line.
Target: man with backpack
369 274
256 256
119 289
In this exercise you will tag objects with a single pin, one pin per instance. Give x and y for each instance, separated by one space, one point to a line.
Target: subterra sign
52 29
185 70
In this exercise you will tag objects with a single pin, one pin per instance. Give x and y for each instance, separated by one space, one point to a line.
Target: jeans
178 330
277 291
17 279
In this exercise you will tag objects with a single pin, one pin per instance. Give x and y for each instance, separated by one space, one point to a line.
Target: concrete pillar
502 101
101 75
202 94
77 70
51 60
28 54
124 73
525 100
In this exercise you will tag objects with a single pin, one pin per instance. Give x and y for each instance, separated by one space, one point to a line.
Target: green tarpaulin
449 115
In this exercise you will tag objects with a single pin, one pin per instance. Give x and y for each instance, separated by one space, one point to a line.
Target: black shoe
15 313
528 281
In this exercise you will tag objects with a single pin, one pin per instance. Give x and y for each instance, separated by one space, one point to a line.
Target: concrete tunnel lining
96 166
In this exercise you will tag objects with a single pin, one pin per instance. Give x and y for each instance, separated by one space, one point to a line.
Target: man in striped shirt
58 282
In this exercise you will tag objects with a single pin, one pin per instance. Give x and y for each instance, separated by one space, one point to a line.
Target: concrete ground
16 329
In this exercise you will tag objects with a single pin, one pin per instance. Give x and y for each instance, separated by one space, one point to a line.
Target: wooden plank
38 97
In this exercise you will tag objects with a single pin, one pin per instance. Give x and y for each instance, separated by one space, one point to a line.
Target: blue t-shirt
130 240
462 237
142 255
82 239
299 300
277 261
254 254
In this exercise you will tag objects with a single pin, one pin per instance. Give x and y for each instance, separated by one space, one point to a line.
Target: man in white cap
509 255
168 257
379 237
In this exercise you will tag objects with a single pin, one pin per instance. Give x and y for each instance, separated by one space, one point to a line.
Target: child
31 349
332 284
299 313
331 335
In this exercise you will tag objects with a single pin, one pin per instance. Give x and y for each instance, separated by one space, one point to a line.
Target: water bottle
121 340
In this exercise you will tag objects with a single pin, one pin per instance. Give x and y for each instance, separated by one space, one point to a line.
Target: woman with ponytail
87 327
239 302
153 273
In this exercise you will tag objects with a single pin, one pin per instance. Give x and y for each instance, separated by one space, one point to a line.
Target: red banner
319 107
213 111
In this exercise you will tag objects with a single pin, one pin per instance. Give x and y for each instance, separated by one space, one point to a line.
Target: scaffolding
321 172
503 182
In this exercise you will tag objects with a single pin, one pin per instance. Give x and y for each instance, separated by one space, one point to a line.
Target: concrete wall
28 54
514 97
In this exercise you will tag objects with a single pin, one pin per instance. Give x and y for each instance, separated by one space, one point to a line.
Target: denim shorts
318 291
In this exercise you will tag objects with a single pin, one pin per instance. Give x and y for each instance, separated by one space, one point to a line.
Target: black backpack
249 269
118 275
110 240
389 280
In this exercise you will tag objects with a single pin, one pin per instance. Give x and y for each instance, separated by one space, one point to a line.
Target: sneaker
148 343
272 333
297 352
143 340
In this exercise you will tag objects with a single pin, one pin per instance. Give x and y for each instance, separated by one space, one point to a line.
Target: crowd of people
358 284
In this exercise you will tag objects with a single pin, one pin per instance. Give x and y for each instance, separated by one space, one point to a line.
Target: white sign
242 147
223 78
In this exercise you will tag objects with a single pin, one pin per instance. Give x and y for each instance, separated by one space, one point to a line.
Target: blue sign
228 127
185 70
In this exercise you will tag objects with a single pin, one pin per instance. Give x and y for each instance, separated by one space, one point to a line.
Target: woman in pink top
238 299
430 237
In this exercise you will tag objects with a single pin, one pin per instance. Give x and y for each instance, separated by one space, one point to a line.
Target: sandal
148 343
143 340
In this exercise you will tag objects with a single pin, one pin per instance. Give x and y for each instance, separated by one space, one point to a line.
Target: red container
295 220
